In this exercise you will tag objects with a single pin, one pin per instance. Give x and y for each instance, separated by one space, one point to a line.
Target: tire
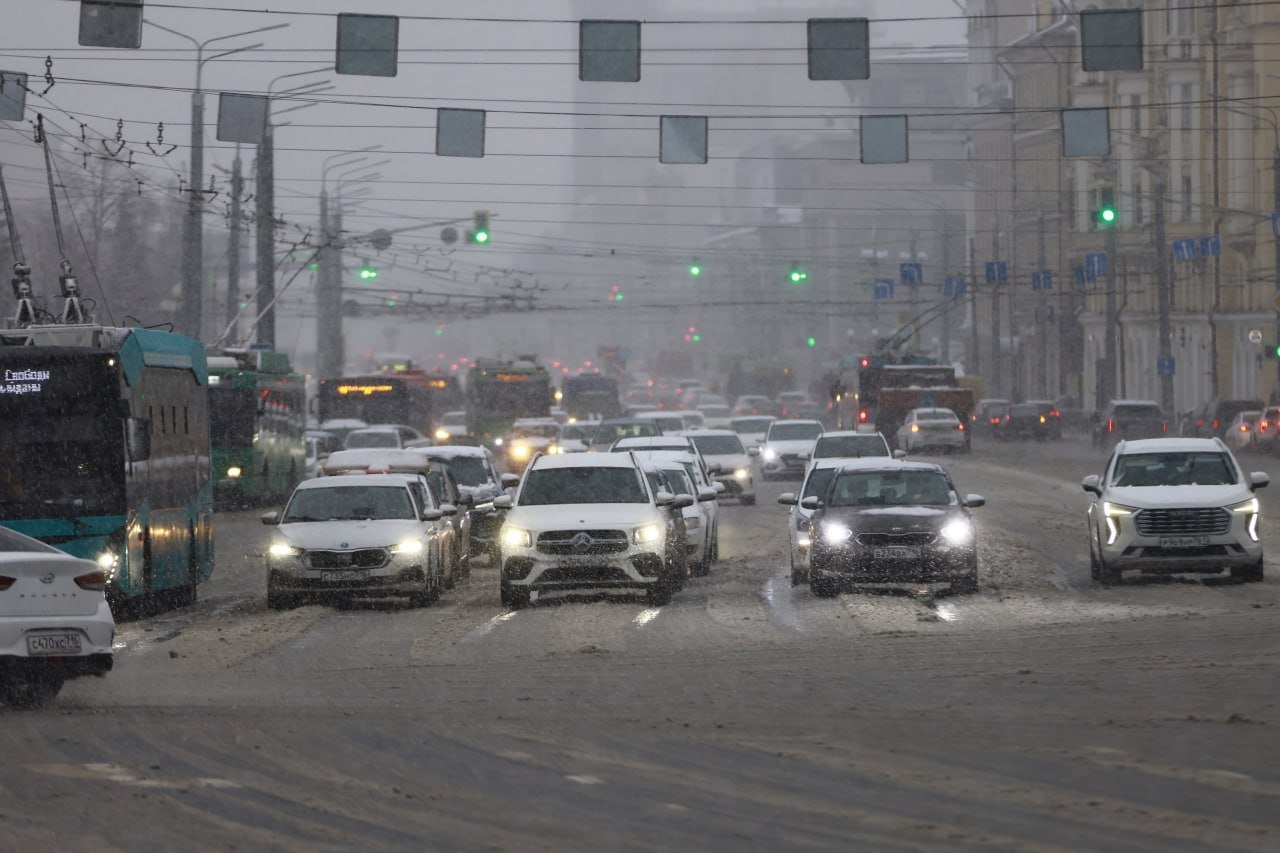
660 593
747 500
797 577
823 588
516 599
1249 574
1095 568
968 583
1108 575
277 601
30 691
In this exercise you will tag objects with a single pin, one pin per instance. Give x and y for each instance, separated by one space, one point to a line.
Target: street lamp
191 313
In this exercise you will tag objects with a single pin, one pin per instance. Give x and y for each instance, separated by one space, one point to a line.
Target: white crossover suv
1171 505
590 521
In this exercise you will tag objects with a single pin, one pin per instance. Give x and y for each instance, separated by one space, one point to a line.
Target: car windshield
1174 469
454 419
752 426
536 431
719 445
715 411
467 470
582 485
1131 411
938 415
829 447
679 480
891 488
349 503
1025 411
794 432
379 438
669 423
577 432
608 433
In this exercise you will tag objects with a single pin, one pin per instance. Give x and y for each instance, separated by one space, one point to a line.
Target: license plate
1184 541
53 644
345 577
897 552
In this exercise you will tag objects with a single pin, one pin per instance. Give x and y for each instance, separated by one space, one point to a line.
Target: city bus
499 392
105 454
257 427
591 395
444 393
379 399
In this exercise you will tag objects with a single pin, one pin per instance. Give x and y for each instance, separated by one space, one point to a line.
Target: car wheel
823 587
797 577
31 690
514 598
426 597
660 593
748 500
1108 575
278 601
1249 574
967 584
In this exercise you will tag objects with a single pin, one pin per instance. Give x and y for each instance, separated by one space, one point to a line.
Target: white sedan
55 623
932 429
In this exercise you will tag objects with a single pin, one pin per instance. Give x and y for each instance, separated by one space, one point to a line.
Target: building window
1186 198
1138 213
1135 114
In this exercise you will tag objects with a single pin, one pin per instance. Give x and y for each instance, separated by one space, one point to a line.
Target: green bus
105 454
499 392
257 427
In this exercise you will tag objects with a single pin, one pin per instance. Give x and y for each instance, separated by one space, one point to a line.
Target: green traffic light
482 236
697 339
813 342
695 270
1107 214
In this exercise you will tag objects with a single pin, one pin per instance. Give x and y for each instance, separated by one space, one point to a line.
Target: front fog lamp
646 535
408 547
109 562
836 534
280 550
234 472
1250 509
742 473
514 537
958 532
442 435
1113 514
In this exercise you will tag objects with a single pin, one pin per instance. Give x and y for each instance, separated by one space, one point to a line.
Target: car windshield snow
891 488
1173 469
349 503
585 485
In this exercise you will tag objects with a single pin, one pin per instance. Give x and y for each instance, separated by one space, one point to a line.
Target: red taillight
6 582
960 427
995 421
94 580
1007 417
1164 427
1054 413
1262 426
1215 423
1111 426
1200 422
864 415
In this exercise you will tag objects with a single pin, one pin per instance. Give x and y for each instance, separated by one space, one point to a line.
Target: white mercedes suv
1171 505
590 521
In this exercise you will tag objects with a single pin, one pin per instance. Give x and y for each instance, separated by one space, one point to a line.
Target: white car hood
729 462
801 446
1178 496
349 535
573 516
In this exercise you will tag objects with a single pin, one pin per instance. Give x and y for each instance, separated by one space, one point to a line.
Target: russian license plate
347 576
53 644
1184 541
896 552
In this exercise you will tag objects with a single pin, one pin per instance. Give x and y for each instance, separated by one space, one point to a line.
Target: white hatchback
55 622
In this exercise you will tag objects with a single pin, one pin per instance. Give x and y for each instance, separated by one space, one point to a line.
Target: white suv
590 521
1170 505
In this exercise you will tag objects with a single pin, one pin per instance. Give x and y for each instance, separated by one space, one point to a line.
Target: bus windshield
232 413
66 464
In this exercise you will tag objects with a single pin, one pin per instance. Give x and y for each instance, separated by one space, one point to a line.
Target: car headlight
442 435
958 531
517 538
519 451
1113 513
234 472
554 450
1251 509
742 474
769 454
408 547
836 534
647 535
499 442
279 550
109 562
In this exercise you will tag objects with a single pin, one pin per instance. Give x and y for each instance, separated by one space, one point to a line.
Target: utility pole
329 358
1275 174
975 350
954 302
193 233
265 206
1042 313
997 357
1164 287
1214 379
1107 380
233 249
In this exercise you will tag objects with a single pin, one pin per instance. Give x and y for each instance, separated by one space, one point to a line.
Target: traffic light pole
1107 379
266 227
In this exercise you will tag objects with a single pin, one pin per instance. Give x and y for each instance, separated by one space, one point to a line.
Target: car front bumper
530 569
1135 552
858 563
402 575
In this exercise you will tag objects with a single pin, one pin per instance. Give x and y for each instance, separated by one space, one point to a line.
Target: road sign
1166 366
882 289
1186 250
1095 265
955 287
380 239
1255 336
1042 281
1210 247
912 273
997 272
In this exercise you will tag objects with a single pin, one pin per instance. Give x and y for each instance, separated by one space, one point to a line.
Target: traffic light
1106 215
615 294
812 342
695 268
798 273
367 271
479 233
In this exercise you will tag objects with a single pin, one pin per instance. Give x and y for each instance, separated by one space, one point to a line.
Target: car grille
883 540
583 542
1208 521
794 459
364 558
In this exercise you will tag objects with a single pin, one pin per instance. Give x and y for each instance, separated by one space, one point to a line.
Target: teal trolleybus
105 453
257 427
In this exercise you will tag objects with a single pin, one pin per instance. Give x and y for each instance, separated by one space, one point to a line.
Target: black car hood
892 519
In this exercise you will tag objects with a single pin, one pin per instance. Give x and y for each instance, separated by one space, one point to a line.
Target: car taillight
6 582
96 581
1262 426
1215 423
864 415
1111 426
1054 413
960 427
1244 427
995 421
1006 417
1043 419
1164 427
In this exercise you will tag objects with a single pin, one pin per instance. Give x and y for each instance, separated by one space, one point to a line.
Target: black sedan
1026 421
890 521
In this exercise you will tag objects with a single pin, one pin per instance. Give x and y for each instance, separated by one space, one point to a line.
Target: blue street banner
882 289
1166 366
997 272
912 274
1210 247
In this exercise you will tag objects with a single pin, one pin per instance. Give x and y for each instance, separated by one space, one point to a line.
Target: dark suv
1126 420
1212 420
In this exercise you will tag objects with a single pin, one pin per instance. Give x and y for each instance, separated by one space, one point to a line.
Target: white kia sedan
55 623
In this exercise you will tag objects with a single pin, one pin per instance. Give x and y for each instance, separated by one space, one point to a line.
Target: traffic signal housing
1106 215
799 274
367 271
479 233
695 268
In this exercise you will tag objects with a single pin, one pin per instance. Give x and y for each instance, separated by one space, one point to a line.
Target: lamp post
191 311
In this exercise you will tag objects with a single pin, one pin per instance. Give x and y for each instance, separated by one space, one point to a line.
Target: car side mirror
510 481
974 501
465 500
811 503
1259 480
753 451
1092 484
664 499
899 454
503 502
788 499
708 494
270 518
683 501
718 487
138 435
449 509
433 514
715 468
